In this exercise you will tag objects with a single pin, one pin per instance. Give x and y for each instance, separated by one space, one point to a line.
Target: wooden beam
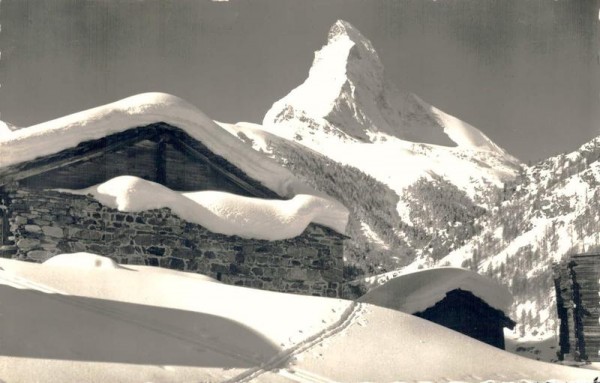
83 152
159 132
161 162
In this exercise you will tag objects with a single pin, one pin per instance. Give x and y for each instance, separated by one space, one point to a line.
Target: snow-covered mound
345 95
222 212
384 345
109 325
417 291
144 324
82 261
53 136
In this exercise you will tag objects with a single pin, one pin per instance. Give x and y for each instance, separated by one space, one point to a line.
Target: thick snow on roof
417 291
53 136
222 212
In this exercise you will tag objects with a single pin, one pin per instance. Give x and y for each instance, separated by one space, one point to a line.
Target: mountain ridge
346 93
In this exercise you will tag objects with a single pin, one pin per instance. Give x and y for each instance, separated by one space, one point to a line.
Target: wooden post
161 161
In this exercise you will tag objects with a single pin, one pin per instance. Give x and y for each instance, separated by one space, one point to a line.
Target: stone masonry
46 223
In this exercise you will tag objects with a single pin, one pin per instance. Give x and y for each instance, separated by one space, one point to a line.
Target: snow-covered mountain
547 213
346 96
424 188
386 153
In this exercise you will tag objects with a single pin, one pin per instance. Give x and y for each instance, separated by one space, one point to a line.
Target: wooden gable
462 311
158 152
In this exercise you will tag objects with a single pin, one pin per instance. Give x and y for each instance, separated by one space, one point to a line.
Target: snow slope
408 349
139 323
545 215
53 136
394 162
222 212
417 291
136 324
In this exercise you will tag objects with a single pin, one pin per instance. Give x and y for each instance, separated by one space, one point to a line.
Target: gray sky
525 72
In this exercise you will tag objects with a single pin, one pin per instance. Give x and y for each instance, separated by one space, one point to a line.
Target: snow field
138 323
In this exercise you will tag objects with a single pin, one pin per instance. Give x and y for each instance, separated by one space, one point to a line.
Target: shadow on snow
51 326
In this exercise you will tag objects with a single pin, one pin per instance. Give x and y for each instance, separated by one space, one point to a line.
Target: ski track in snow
9 279
350 316
303 376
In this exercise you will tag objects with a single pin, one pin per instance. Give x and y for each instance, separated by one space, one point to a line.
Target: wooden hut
459 299
462 311
188 153
577 282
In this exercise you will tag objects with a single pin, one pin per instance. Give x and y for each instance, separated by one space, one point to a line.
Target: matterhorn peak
347 55
345 96
344 30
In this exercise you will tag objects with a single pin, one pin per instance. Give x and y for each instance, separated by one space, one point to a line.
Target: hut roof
42 146
142 110
416 291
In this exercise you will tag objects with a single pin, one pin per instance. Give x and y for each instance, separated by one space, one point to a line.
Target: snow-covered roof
417 291
137 111
222 212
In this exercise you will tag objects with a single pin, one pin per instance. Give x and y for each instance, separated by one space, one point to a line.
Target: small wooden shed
577 283
462 311
458 299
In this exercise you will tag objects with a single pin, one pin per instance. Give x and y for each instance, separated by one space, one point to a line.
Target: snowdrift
82 261
222 212
384 345
417 291
63 324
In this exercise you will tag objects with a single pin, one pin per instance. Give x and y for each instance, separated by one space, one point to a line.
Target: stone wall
45 223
